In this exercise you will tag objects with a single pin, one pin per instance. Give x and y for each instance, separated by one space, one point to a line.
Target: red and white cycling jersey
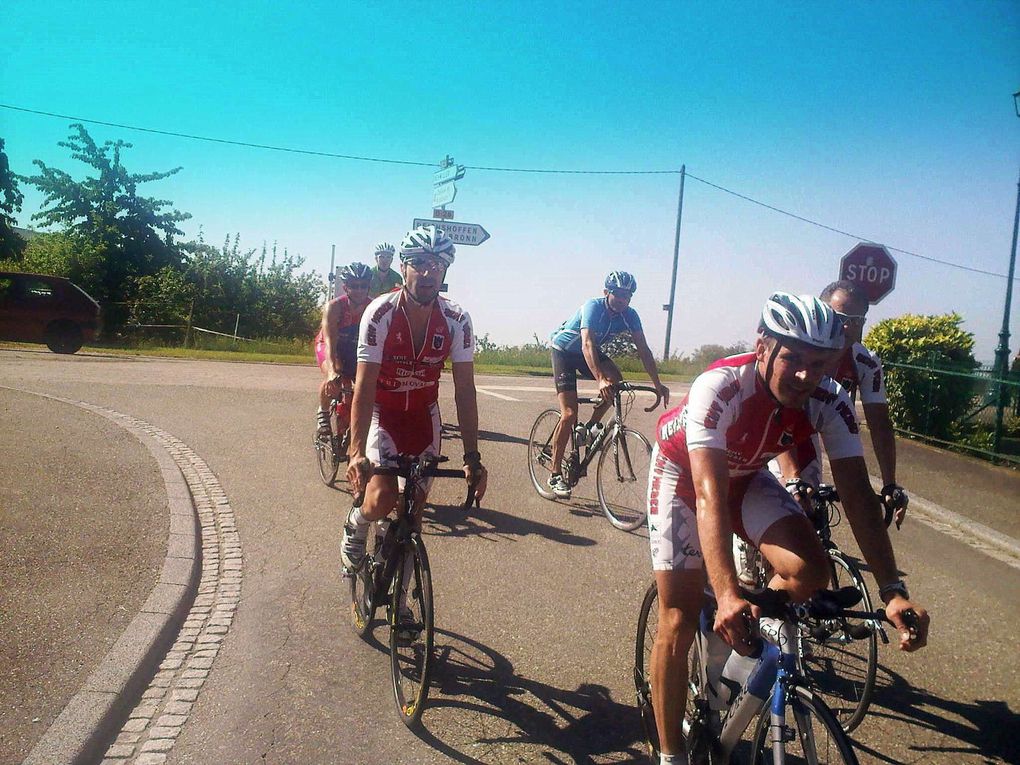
729 408
409 378
861 370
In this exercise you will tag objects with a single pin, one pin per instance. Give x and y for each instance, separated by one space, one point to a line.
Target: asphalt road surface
536 601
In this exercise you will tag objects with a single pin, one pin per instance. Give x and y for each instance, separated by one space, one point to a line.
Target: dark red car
35 308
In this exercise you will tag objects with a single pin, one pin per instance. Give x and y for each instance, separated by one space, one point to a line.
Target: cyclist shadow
983 728
580 726
451 432
492 525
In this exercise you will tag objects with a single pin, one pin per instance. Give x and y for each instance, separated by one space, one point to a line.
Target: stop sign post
872 268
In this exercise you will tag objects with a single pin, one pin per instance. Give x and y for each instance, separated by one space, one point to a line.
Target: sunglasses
425 264
622 293
356 285
851 320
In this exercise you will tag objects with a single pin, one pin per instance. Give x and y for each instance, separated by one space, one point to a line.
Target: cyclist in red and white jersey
709 480
336 345
859 371
405 338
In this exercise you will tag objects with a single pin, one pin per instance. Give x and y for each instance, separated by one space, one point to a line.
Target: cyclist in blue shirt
576 350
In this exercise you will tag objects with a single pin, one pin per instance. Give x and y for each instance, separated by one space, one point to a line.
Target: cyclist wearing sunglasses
576 351
860 372
336 345
405 338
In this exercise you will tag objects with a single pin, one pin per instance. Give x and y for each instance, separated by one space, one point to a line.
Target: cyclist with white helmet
576 351
384 278
709 480
336 345
405 338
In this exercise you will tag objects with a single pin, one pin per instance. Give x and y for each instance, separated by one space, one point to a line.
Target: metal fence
972 410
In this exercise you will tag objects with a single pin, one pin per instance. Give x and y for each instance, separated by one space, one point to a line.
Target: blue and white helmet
427 240
804 318
621 280
355 272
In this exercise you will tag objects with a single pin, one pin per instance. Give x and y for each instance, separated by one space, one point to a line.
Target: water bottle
580 434
595 432
384 540
735 672
716 653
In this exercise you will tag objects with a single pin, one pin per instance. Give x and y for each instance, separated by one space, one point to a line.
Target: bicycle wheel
647 626
411 632
840 656
325 456
810 733
622 479
362 608
540 451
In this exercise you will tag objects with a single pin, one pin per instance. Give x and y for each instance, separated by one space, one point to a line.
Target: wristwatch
474 459
899 587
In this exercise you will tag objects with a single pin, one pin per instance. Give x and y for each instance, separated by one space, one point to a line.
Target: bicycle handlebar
622 387
826 493
429 470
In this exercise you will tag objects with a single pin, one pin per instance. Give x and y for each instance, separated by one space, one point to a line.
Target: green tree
60 255
920 399
133 235
705 354
11 245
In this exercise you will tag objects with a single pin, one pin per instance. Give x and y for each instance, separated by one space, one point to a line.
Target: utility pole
676 257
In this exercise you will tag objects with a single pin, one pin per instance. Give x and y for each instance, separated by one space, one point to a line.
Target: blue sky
894 121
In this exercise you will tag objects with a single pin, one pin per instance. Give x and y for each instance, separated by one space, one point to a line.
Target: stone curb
94 715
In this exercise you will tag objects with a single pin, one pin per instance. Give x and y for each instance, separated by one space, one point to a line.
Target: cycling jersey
346 336
384 281
861 370
602 323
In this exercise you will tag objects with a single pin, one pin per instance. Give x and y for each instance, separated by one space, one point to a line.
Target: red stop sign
872 268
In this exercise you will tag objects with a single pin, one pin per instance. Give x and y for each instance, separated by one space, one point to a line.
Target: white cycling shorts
672 520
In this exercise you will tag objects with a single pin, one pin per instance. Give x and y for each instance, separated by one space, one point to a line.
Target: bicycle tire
839 663
621 478
647 626
411 659
326 459
823 733
540 451
362 608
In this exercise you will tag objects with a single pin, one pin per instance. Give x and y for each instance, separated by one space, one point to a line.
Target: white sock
358 518
672 759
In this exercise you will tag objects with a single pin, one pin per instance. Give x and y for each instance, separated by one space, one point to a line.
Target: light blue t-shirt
596 317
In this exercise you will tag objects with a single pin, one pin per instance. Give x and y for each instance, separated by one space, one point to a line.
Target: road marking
496 395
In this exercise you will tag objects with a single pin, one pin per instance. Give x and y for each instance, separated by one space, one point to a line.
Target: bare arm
591 355
466 398
711 476
883 439
359 468
330 318
865 515
648 362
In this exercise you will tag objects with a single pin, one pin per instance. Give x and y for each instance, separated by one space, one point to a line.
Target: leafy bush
926 401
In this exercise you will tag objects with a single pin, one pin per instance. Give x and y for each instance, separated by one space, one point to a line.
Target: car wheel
63 337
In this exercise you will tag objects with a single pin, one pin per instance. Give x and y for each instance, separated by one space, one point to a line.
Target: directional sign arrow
461 233
447 174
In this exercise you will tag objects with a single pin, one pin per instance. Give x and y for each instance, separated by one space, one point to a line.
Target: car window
37 290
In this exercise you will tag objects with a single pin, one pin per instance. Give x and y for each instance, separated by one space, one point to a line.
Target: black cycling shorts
567 367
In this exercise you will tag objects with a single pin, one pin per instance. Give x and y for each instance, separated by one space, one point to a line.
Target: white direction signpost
461 233
443 194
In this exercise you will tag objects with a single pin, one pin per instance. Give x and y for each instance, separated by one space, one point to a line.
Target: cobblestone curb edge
105 716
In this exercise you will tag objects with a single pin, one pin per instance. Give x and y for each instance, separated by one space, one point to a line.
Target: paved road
536 601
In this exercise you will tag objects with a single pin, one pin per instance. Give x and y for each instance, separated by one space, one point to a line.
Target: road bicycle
839 655
396 573
773 716
624 456
331 449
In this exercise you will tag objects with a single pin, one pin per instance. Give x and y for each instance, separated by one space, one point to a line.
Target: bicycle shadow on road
452 432
492 525
559 725
984 729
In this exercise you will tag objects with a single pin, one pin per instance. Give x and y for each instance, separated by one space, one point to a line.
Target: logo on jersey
467 335
370 336
713 415
671 428
848 417
437 341
382 311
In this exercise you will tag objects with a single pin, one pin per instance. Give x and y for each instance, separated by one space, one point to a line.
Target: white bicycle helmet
427 240
385 248
621 280
355 272
804 318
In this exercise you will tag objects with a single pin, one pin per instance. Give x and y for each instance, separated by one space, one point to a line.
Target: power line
547 171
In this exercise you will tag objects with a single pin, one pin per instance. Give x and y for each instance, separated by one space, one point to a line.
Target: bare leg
568 418
800 564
